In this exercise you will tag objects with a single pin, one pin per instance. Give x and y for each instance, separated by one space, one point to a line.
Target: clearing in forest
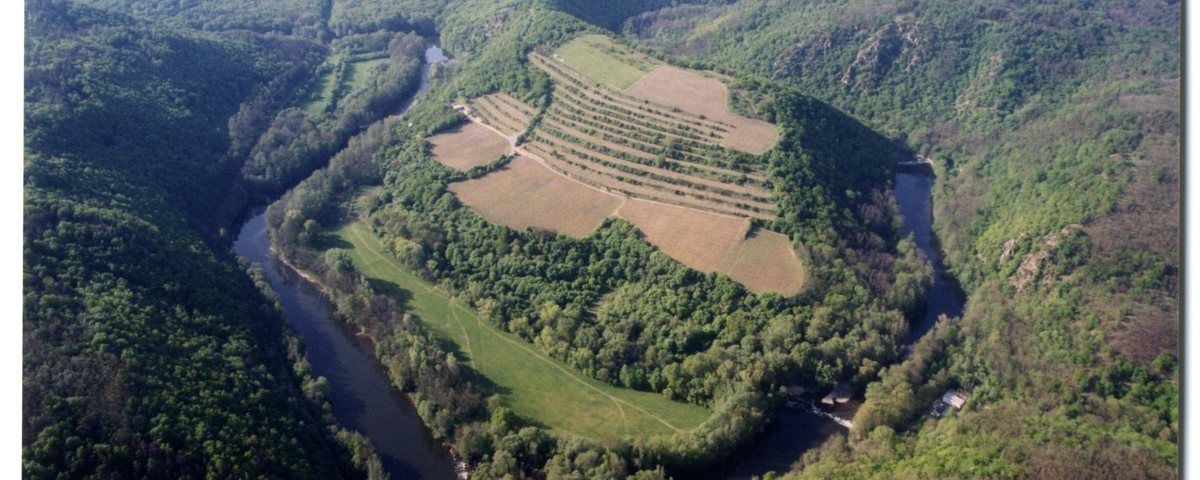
601 60
323 90
329 85
525 194
534 385
467 145
705 95
358 74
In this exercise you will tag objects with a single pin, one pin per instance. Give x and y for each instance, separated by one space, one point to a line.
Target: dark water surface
914 194
793 433
362 397
796 432
360 392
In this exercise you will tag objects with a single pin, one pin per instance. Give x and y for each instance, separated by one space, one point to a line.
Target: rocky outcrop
1031 267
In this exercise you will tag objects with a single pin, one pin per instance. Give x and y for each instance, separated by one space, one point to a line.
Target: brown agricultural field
701 240
467 145
653 155
763 261
527 194
766 263
696 93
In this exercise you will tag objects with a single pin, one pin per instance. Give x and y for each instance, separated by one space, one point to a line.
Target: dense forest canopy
295 17
147 351
1052 129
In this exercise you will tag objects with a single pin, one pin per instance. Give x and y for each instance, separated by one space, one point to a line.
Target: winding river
364 400
796 432
360 392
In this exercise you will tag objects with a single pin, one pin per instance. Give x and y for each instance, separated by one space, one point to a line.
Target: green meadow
601 60
360 72
325 86
358 75
532 384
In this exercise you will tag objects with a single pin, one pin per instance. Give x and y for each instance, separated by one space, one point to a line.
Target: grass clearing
323 88
526 194
601 60
532 384
359 75
467 145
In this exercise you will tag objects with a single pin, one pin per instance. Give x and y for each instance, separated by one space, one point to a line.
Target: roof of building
954 399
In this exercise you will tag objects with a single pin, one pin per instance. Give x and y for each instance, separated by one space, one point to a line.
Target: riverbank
529 382
361 394
362 397
796 432
914 194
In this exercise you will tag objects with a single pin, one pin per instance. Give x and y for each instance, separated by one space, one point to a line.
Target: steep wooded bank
368 76
1054 131
301 18
147 351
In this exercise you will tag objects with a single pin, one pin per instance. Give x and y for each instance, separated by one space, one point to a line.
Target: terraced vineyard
503 112
684 170
644 150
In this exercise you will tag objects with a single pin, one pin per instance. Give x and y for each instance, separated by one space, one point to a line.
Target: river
361 394
914 193
795 432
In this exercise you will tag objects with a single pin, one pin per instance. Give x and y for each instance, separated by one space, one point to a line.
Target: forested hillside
147 351
363 78
290 17
1053 128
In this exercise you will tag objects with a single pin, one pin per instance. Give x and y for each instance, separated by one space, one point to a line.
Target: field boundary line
466 336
